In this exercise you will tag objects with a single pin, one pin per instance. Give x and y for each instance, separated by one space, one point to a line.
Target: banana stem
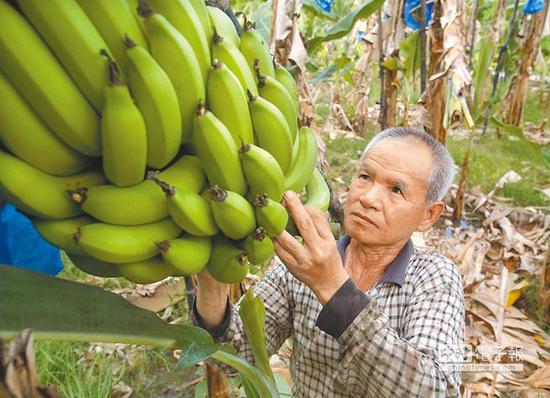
244 147
163 246
129 42
166 188
216 38
256 67
216 64
251 97
144 9
114 74
242 258
78 195
218 194
259 234
201 109
261 200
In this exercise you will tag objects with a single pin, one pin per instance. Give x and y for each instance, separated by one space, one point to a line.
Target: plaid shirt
386 342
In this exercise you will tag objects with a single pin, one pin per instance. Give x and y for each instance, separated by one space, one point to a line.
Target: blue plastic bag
533 6
326 5
22 246
411 12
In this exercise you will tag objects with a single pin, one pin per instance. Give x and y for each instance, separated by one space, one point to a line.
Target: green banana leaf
409 52
264 386
325 74
252 312
57 309
345 25
508 128
481 73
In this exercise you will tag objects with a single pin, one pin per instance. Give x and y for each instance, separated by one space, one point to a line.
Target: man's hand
316 262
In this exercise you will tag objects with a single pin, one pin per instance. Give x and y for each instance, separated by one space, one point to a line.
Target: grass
494 157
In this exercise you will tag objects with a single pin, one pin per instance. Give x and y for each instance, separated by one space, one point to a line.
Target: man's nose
371 197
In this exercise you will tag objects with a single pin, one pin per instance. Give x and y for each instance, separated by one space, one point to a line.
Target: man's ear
432 212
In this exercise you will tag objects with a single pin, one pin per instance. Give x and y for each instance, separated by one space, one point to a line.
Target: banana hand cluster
147 139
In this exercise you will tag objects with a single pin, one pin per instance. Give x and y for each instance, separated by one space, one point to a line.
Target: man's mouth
364 218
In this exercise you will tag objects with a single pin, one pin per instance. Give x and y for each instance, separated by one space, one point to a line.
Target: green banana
263 173
181 14
258 246
283 76
188 254
39 194
94 267
35 72
318 191
270 215
271 130
217 151
114 19
202 13
147 271
223 25
232 213
306 158
175 55
227 101
157 100
227 263
24 134
226 52
255 47
74 40
134 6
188 209
125 244
60 233
143 203
123 134
276 93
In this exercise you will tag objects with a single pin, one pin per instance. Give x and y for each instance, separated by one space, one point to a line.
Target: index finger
302 219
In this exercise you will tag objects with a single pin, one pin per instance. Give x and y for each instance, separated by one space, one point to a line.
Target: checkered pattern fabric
391 349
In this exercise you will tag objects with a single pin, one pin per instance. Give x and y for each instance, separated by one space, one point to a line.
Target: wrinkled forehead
399 156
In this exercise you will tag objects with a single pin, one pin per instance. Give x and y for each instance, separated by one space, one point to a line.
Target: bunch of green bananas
147 139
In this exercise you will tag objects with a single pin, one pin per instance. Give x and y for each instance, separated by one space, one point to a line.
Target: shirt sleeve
410 363
273 289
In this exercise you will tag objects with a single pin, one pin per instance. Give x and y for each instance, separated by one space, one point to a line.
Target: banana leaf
252 312
57 309
409 52
481 74
508 128
345 25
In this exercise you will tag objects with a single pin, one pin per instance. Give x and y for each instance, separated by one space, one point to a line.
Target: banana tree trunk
435 90
515 98
448 71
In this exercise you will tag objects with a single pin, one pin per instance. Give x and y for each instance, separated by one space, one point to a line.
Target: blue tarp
411 12
22 246
533 6
325 5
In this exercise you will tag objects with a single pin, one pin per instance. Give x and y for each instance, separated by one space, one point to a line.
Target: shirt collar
396 270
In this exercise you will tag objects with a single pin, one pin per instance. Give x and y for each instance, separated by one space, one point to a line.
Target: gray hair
443 166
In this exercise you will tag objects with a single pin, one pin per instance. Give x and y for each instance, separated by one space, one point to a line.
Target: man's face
386 200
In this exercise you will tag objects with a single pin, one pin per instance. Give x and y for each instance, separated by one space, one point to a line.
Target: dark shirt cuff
219 330
342 309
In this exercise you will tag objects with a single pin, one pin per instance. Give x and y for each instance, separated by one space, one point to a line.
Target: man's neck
367 264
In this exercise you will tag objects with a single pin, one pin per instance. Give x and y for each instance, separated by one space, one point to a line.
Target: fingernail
288 195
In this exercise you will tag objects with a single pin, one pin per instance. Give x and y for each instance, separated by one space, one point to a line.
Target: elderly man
370 315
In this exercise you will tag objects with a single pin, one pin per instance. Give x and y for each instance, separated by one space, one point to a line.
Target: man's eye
397 190
364 176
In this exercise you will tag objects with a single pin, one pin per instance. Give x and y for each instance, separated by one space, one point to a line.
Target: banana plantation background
475 74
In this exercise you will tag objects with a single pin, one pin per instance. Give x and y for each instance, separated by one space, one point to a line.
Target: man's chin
359 233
